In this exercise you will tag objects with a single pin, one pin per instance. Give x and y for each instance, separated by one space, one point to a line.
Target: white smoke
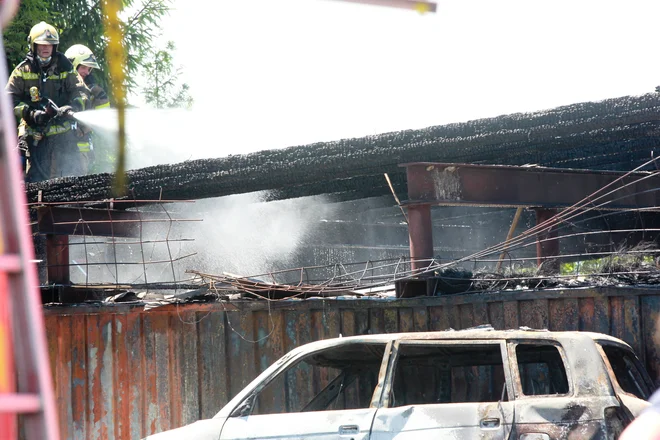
238 234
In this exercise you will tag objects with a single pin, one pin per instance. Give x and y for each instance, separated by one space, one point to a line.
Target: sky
275 73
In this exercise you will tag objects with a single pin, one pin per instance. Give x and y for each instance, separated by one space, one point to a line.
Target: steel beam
420 232
90 222
508 186
57 257
547 243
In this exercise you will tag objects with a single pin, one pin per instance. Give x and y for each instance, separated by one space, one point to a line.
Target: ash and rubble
621 271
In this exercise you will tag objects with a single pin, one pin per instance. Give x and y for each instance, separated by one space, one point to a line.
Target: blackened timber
569 136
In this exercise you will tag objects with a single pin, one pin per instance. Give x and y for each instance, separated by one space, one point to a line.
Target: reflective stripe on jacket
99 97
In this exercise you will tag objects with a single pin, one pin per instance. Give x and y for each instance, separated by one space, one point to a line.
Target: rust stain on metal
446 182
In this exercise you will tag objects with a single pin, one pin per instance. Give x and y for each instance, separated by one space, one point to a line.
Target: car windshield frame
648 382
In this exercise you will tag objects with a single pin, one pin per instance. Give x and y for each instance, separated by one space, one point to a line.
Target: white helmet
43 33
81 55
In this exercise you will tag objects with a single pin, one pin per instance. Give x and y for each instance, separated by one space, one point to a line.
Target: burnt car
477 383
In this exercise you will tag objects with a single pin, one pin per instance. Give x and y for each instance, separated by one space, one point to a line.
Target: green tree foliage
163 88
81 22
15 35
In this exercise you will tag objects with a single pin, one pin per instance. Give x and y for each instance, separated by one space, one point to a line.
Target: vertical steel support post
420 232
57 259
547 243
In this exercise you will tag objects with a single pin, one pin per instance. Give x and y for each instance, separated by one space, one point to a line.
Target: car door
328 394
446 389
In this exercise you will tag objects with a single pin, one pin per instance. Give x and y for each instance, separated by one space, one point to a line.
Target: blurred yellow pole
116 57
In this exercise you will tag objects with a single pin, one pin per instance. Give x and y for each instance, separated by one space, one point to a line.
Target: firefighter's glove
65 112
37 117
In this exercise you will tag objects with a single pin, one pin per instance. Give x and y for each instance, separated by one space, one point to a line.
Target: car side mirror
246 407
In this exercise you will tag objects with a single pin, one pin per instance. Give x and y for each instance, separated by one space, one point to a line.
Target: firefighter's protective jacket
99 98
58 82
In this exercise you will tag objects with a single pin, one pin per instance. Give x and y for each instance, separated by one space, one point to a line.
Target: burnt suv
476 383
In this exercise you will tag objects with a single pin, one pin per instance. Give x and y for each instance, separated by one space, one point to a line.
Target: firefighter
84 62
46 92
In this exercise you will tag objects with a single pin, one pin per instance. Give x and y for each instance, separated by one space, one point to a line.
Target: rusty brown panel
132 423
480 313
100 381
376 321
511 315
52 330
534 313
454 312
79 385
270 334
586 314
466 316
152 422
406 320
189 368
242 367
331 323
601 314
438 318
317 324
420 319
617 318
348 322
123 371
294 338
62 379
50 323
361 321
175 354
162 333
496 315
563 314
391 318
650 311
212 363
269 330
632 325
304 327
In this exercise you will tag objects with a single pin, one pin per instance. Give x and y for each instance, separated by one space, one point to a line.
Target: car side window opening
542 370
436 374
339 378
626 371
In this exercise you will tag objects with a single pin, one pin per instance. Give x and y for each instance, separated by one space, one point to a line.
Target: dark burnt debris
615 134
619 271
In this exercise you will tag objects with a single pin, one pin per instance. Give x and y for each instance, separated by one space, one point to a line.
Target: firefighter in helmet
84 62
47 91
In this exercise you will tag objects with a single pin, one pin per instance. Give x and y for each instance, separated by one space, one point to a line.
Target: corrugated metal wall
120 372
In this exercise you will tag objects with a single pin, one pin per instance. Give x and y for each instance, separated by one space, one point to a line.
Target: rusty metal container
123 373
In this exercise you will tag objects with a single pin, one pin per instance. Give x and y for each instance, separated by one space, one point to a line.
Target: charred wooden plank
612 134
